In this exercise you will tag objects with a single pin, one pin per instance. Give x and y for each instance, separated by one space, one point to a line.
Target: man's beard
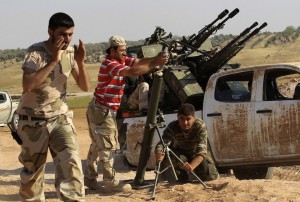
65 47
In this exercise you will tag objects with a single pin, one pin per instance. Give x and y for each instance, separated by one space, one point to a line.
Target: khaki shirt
48 100
193 143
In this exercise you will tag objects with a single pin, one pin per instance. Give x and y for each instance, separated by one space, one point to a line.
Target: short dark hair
60 20
186 109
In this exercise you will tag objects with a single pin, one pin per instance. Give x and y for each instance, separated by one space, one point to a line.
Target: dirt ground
284 186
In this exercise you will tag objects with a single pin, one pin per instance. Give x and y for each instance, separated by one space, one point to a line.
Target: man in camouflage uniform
188 140
45 121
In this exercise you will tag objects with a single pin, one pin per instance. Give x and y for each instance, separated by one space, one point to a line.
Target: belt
97 104
28 118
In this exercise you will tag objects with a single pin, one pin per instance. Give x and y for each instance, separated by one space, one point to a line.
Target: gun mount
193 60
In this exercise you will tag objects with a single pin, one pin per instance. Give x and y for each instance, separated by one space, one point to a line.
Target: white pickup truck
8 109
252 117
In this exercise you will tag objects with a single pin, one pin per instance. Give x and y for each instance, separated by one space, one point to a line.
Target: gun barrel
254 32
222 15
231 15
226 53
207 27
203 34
246 31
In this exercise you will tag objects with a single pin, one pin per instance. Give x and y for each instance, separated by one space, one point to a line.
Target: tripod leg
198 178
170 162
207 187
157 172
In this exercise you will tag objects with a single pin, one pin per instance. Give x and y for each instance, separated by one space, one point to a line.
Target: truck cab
8 109
268 104
252 117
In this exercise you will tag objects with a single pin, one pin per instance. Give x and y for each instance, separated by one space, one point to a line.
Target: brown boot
116 186
91 183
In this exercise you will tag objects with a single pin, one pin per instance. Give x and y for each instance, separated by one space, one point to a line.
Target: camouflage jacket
49 99
192 143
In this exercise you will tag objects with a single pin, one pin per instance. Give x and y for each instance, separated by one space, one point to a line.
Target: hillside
265 48
255 52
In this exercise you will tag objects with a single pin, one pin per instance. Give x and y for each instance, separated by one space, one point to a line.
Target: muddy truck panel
253 117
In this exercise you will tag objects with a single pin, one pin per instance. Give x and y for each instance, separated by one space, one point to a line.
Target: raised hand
80 52
56 47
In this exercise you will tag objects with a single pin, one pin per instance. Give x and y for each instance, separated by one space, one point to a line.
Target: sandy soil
284 186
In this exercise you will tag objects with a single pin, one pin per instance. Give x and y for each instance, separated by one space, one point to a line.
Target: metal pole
149 130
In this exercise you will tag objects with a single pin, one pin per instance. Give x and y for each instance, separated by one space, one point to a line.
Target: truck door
228 112
277 115
5 107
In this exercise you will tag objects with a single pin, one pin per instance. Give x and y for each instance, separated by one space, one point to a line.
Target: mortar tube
149 130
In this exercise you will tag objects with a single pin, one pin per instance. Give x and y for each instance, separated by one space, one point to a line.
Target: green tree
289 30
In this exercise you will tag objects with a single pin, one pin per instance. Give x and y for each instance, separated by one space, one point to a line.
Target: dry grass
11 78
288 52
11 73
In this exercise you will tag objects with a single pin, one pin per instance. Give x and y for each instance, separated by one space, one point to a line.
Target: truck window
296 95
2 98
281 84
234 87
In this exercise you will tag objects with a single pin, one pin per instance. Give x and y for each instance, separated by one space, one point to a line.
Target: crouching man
188 140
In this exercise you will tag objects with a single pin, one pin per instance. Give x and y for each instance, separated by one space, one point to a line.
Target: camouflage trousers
104 137
59 135
139 97
206 171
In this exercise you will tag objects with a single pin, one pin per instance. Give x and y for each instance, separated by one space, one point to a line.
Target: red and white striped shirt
111 82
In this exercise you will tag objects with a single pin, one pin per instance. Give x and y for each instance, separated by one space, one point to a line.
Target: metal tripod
167 151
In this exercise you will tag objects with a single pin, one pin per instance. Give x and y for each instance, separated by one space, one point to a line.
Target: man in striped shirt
101 113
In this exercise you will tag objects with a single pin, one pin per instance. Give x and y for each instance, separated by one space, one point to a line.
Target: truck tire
223 171
253 173
14 121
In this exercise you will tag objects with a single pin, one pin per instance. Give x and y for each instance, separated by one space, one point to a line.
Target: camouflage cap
116 41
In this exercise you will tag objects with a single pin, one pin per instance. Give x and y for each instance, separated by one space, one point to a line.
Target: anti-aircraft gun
185 75
217 59
194 42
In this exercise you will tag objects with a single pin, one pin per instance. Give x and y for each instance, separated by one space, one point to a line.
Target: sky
24 22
